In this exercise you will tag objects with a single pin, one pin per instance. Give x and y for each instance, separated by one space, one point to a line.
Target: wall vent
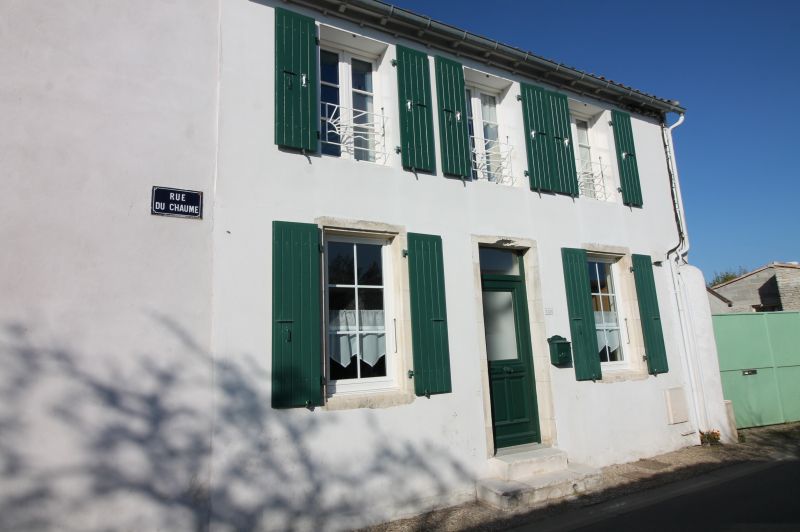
677 409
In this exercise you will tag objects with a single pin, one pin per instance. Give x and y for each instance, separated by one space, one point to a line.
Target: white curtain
344 346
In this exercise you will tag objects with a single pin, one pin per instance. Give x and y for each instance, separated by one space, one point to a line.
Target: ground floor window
358 311
606 309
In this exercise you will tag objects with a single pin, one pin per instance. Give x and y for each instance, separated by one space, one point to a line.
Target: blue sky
734 65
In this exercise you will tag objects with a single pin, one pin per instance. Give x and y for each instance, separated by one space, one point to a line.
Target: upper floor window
490 157
593 170
491 154
350 126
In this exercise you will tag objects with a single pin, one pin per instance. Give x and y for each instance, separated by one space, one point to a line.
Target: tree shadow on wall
124 440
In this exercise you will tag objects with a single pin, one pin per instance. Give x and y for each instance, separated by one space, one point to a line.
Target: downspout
675 257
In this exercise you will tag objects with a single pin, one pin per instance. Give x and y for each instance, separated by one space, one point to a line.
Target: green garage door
759 359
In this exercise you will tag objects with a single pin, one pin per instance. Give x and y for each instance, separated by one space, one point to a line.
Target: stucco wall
105 395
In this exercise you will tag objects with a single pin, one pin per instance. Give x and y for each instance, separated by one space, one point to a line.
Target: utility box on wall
560 351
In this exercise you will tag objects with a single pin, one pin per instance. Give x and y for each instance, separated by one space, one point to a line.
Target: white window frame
614 263
598 165
346 96
370 384
476 107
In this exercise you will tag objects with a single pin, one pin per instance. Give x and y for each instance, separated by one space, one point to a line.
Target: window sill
385 399
622 375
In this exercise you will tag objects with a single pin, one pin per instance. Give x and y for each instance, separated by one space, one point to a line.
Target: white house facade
420 262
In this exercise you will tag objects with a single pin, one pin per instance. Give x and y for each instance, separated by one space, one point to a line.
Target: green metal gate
759 359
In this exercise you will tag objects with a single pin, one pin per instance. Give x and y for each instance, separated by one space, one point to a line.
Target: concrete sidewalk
759 447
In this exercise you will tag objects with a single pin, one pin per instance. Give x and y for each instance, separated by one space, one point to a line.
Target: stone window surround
403 392
635 367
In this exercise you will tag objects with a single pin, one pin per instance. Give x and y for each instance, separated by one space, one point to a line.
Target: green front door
508 349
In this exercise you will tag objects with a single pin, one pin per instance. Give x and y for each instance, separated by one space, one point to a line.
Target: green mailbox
560 350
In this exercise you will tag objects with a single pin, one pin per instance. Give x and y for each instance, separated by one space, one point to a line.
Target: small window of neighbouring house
605 303
358 311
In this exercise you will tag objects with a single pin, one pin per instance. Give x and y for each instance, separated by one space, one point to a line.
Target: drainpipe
675 257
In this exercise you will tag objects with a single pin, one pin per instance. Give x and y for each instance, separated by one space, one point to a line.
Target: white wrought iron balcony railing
592 179
491 161
354 133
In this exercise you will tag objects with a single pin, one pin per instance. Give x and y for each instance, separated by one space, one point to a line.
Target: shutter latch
411 374
405 253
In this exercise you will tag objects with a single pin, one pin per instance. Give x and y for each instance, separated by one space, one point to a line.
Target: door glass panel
500 326
498 261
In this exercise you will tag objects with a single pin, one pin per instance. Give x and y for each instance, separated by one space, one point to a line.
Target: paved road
753 496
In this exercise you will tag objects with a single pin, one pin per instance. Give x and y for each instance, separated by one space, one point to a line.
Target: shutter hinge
519 97
397 149
527 174
644 358
405 253
394 62
321 248
316 41
411 374
322 380
632 270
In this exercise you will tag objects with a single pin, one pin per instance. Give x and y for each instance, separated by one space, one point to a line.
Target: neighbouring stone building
413 266
773 287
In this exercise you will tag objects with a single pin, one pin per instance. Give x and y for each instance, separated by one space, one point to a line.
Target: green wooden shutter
296 311
581 315
536 116
626 159
548 140
428 315
416 113
453 131
296 81
565 176
651 317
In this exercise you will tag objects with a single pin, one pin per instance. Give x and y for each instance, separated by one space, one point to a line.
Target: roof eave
404 23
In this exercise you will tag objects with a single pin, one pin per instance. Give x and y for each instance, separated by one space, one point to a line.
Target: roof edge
402 22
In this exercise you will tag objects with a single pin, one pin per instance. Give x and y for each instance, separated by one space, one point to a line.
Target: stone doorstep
526 461
539 490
